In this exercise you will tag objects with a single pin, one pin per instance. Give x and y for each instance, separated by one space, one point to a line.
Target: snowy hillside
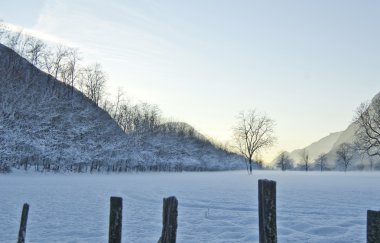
321 146
46 126
347 136
329 145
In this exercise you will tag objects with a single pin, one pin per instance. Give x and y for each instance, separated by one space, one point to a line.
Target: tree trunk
250 166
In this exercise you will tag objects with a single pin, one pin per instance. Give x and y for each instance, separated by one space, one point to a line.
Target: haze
306 64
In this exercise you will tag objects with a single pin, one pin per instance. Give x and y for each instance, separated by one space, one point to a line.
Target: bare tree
141 117
71 70
119 101
344 155
252 133
3 30
151 116
14 39
107 106
93 82
321 161
367 136
125 117
54 62
305 159
34 50
58 60
284 161
47 61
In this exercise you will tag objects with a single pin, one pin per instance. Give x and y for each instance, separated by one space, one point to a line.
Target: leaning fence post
373 226
24 219
267 211
116 208
169 220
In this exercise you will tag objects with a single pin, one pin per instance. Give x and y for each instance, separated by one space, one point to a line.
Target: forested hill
46 125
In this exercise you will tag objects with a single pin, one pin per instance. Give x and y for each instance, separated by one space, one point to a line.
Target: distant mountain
45 126
330 145
323 145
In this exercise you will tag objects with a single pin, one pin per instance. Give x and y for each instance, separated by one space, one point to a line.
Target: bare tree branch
321 161
284 161
253 133
305 159
367 119
345 155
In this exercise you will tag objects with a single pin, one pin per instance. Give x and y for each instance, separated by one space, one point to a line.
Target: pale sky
306 64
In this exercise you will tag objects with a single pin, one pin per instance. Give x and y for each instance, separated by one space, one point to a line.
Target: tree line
365 145
65 64
60 62
344 155
254 132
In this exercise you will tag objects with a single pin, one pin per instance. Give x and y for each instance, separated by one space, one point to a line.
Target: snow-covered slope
44 125
347 136
329 145
321 146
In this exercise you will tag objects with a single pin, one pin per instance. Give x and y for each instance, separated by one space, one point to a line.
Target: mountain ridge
316 148
330 148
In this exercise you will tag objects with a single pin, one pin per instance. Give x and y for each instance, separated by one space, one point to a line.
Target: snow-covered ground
213 207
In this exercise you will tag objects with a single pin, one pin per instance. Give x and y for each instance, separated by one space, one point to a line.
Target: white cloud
113 29
38 34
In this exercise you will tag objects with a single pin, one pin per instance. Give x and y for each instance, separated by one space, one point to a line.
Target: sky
305 64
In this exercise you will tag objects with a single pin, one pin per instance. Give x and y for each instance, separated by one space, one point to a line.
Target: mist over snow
213 207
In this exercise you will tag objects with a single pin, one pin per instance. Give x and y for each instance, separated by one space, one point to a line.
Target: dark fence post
373 226
267 211
116 209
169 220
24 219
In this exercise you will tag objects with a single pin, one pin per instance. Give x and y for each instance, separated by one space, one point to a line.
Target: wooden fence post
267 211
116 209
373 226
169 220
24 219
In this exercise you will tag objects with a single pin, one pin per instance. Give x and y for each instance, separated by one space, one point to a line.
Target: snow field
213 206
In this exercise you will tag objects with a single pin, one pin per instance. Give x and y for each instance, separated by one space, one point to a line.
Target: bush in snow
4 167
